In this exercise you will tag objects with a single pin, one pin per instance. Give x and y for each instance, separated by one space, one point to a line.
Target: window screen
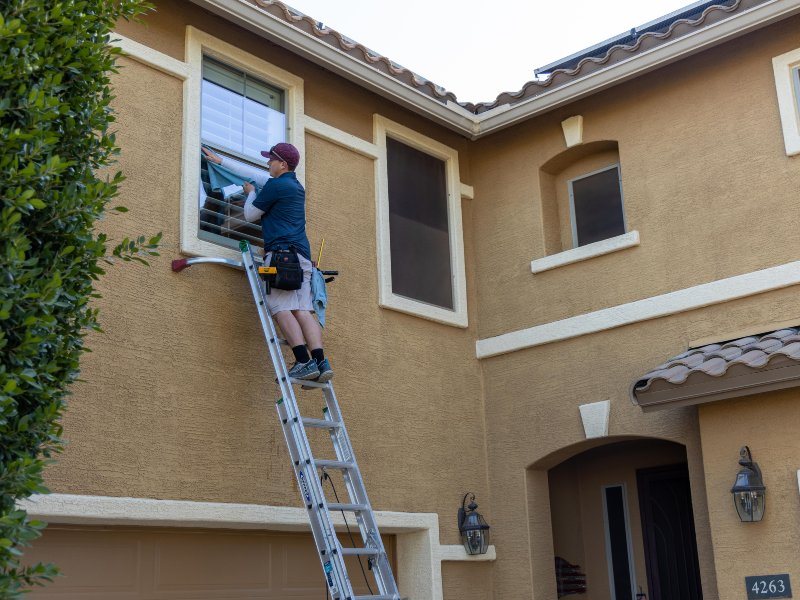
418 226
596 201
240 117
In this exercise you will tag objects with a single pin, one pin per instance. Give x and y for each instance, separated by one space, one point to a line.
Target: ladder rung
321 423
348 507
334 464
360 552
309 383
377 598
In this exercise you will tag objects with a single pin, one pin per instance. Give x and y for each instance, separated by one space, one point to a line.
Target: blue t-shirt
283 224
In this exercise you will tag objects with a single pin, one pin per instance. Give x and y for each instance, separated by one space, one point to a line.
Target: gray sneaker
304 371
325 374
325 371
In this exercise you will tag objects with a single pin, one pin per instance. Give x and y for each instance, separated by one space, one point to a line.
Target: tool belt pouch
289 274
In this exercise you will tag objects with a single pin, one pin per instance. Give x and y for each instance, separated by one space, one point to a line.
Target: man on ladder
281 208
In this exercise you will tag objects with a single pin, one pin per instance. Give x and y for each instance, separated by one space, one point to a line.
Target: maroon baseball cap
285 152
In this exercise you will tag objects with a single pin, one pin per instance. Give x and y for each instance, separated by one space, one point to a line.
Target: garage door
176 564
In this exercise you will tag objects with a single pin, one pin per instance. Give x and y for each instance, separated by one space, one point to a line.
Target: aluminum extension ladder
306 466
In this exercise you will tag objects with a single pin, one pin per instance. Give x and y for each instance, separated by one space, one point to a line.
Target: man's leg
313 335
309 326
290 327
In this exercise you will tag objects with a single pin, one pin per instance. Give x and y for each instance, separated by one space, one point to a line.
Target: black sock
318 354
301 353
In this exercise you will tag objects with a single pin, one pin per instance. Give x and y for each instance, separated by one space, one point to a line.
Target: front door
665 502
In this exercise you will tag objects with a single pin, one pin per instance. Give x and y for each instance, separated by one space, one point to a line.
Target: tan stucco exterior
176 397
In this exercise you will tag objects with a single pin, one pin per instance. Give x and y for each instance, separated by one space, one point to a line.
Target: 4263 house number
768 586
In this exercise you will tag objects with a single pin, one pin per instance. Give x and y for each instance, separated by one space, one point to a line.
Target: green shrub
54 126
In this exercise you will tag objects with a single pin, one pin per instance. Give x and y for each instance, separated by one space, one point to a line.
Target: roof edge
736 25
261 22
757 382
459 119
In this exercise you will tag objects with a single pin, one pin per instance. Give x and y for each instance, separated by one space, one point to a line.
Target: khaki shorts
281 300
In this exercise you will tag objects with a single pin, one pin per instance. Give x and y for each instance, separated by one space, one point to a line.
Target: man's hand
210 156
248 188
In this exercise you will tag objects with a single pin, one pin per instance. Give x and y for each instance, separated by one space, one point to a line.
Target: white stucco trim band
419 554
150 57
340 138
568 257
707 294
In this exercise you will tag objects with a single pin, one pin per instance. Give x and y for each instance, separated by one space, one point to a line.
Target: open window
240 116
236 104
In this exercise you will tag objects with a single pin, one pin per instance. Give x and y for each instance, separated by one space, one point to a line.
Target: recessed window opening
618 543
596 206
240 116
419 228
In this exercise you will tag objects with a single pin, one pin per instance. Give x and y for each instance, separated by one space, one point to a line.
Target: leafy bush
54 126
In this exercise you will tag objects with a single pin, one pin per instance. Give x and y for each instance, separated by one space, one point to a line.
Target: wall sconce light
473 527
749 492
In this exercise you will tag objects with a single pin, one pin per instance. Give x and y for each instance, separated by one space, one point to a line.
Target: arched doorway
622 523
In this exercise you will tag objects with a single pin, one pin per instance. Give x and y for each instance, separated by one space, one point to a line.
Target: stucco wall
176 401
705 182
702 160
768 424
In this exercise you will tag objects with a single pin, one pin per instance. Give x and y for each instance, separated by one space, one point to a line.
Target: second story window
240 116
419 230
596 206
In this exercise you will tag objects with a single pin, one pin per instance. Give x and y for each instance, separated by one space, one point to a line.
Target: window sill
568 257
456 318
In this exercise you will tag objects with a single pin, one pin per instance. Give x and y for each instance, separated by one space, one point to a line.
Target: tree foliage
55 114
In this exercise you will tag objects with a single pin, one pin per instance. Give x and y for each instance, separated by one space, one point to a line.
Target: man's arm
241 169
251 213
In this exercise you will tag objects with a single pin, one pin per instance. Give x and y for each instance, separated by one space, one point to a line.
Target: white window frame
572 216
457 317
629 540
198 44
785 68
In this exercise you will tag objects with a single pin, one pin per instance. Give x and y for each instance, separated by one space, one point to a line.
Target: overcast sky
479 49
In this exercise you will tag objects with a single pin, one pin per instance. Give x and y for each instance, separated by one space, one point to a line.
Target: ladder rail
354 482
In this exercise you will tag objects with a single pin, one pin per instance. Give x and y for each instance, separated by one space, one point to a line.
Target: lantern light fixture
749 491
473 527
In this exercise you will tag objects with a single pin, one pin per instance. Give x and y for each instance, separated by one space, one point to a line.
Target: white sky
478 49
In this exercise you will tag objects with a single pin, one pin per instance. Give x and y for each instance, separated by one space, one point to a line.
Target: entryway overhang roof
731 369
300 34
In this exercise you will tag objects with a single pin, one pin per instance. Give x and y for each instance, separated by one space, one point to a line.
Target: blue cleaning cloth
220 177
319 296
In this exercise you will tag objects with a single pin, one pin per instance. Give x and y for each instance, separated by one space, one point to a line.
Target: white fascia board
737 25
264 24
456 117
